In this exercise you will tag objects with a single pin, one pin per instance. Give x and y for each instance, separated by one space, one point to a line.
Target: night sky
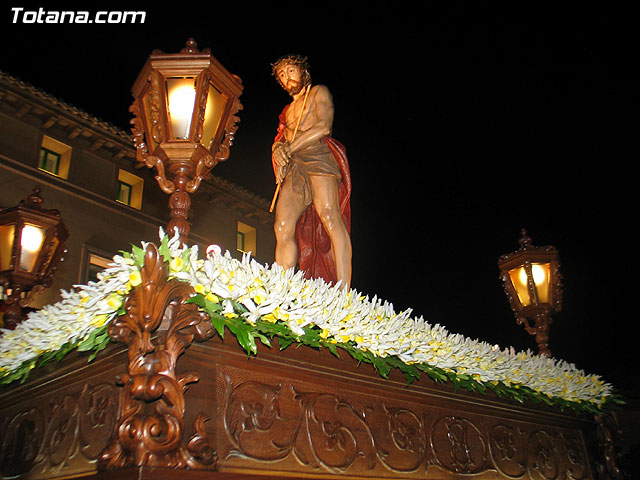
463 124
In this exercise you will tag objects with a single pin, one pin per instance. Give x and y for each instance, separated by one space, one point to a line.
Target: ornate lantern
184 107
533 285
31 248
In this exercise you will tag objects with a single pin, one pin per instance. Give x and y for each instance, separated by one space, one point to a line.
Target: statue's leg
288 210
326 201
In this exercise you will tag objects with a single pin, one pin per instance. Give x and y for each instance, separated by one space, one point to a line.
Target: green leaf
138 256
274 329
212 307
99 347
285 342
243 339
253 348
311 337
218 322
197 299
242 332
381 366
89 342
46 358
163 249
356 354
332 348
263 338
66 348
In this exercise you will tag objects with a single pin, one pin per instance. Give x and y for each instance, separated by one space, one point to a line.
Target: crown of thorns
297 60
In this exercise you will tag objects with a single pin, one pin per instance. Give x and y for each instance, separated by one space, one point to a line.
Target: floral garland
256 301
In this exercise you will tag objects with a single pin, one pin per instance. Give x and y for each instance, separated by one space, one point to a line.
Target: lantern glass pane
216 103
31 240
541 278
6 245
181 97
518 278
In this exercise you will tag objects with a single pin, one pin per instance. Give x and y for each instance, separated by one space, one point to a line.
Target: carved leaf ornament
152 402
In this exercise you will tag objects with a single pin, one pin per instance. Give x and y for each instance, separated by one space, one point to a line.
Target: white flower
274 294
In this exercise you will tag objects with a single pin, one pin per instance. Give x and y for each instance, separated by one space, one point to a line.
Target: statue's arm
323 120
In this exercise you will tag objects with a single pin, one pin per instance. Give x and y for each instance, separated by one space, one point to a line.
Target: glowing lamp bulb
539 275
181 102
31 239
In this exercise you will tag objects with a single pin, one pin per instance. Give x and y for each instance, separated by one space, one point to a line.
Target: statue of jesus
312 213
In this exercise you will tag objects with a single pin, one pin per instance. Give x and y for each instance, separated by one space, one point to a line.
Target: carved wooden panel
297 413
60 434
275 423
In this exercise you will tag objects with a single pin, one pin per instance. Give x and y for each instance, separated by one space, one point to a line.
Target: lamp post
31 248
185 107
533 285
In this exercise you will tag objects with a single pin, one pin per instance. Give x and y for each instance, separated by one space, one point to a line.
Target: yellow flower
176 264
114 301
135 278
258 295
199 288
99 320
212 298
269 317
324 334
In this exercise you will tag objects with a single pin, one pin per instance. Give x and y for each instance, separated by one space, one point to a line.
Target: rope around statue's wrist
284 145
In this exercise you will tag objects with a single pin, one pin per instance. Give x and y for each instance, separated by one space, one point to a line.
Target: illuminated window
129 189
55 157
246 238
124 193
49 161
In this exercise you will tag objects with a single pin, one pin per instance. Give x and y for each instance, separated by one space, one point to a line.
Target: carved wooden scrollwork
62 436
507 448
21 439
143 155
152 405
459 445
318 430
543 457
231 128
344 433
608 432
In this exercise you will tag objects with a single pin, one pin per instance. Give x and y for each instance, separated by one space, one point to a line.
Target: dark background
463 125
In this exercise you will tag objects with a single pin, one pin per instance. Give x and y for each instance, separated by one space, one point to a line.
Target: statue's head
286 63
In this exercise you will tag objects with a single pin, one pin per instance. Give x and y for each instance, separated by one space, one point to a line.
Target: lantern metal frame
535 313
20 282
182 164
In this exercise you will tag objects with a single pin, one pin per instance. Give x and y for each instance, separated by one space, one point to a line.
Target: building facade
86 169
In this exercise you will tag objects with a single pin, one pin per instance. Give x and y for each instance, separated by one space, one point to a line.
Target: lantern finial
190 46
525 240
